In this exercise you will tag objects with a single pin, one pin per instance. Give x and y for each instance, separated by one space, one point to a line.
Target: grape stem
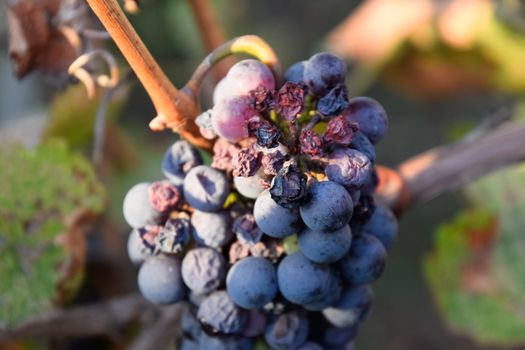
448 167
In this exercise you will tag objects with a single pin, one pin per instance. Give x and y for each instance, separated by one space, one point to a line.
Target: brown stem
446 168
101 318
176 110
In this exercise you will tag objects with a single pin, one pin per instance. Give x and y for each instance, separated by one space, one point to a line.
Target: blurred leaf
45 196
476 272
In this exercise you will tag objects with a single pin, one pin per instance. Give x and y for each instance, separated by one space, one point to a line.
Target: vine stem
176 110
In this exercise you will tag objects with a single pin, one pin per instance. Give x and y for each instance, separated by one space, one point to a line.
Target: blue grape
352 308
137 207
174 236
252 282
221 342
295 74
137 250
190 326
337 338
328 207
179 158
288 331
330 296
382 225
246 230
255 324
274 220
349 168
188 344
206 188
302 281
361 143
323 72
365 260
219 314
249 187
370 115
211 229
325 247
160 279
203 270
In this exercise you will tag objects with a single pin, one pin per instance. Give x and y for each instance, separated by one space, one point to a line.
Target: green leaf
477 269
41 190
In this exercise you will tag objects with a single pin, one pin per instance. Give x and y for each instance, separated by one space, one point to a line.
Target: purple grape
288 331
365 260
248 75
137 207
206 188
223 90
179 158
211 229
339 338
295 73
382 225
334 102
302 281
274 220
325 247
137 251
252 282
352 308
255 324
160 279
249 187
328 207
349 168
289 186
219 314
362 144
370 115
323 72
203 270
230 116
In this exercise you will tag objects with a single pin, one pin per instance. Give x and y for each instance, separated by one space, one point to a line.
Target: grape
361 143
249 187
365 261
246 230
349 168
273 219
252 282
223 90
189 325
302 281
370 115
255 325
210 342
179 158
137 251
310 346
323 72
137 208
328 207
211 229
203 270
325 247
352 308
248 75
288 331
382 225
229 118
206 188
160 279
337 338
295 73
330 296
220 315
174 236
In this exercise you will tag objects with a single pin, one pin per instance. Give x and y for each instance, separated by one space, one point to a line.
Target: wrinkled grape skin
274 220
179 158
349 168
323 72
249 187
203 270
370 115
288 331
220 313
211 229
365 260
160 279
328 207
352 308
206 188
252 282
302 281
383 225
229 118
137 208
325 247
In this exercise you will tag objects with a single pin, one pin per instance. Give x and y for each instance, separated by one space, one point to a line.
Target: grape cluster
280 237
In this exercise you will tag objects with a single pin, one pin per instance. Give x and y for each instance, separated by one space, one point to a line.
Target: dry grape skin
349 167
179 158
219 312
287 331
203 270
206 188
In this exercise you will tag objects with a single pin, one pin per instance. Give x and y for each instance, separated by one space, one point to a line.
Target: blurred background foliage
456 278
